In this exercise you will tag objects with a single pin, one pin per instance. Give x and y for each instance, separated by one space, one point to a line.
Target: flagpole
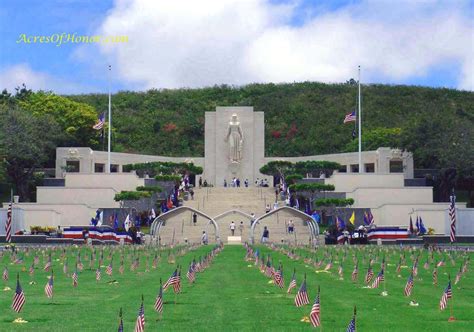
359 117
11 215
110 123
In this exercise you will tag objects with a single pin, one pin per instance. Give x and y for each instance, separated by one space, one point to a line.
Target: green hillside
301 119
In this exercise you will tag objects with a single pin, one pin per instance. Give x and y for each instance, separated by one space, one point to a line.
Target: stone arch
226 217
160 221
234 211
313 227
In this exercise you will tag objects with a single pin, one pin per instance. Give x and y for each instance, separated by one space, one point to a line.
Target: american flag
369 275
447 294
328 266
8 224
426 266
177 284
340 271
5 274
120 328
191 274
278 277
155 262
435 276
314 315
301 297
352 324
292 283
98 274
48 289
140 324
19 297
268 268
351 117
458 276
378 279
452 217
409 285
47 266
355 272
159 300
100 122
171 280
441 263
75 278
109 269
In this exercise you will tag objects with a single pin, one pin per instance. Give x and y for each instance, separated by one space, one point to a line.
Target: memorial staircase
216 201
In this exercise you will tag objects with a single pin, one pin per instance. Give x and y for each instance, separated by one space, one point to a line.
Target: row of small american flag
17 257
302 299
173 281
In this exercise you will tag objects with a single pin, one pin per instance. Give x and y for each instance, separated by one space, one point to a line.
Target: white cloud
16 75
176 43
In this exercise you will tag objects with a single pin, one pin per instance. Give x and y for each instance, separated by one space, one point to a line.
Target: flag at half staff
351 117
100 122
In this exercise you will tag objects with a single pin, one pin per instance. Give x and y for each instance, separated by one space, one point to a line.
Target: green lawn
233 294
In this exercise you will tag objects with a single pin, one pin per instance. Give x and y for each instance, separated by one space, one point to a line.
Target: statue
235 138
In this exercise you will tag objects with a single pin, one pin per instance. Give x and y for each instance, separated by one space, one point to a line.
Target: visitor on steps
246 182
195 217
291 226
265 235
232 228
225 183
204 239
267 208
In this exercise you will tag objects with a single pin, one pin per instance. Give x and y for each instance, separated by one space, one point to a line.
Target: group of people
235 183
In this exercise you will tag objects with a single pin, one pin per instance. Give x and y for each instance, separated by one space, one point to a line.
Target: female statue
235 138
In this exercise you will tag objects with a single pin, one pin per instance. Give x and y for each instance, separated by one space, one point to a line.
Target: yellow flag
352 218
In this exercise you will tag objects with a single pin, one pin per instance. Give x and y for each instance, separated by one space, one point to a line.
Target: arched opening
177 226
305 230
242 221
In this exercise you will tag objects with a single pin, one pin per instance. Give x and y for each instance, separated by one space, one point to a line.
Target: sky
197 43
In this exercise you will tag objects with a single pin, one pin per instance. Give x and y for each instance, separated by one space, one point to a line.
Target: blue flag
116 222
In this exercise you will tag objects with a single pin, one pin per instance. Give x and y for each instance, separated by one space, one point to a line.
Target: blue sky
426 43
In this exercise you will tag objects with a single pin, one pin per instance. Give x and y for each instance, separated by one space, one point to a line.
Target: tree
28 142
316 166
74 119
277 168
372 139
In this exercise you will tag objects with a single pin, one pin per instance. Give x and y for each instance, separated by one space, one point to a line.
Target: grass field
232 294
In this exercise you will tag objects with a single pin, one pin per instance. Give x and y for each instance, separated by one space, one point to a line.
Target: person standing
291 226
204 239
246 182
241 228
200 182
265 235
232 228
195 217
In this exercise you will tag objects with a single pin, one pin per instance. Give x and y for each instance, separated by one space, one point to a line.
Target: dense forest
306 118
